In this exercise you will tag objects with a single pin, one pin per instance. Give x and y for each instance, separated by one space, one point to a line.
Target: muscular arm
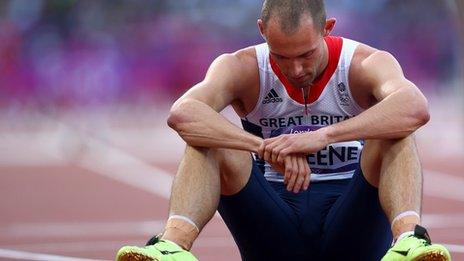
400 107
195 116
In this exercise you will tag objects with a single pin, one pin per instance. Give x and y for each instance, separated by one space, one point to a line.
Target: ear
329 26
261 28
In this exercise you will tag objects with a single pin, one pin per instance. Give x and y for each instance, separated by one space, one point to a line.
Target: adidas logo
272 97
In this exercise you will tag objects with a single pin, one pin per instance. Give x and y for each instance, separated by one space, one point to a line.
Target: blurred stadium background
86 158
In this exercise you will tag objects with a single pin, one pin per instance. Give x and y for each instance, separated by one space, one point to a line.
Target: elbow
173 120
421 114
414 109
177 116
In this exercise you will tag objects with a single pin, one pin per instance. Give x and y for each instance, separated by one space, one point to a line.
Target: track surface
80 192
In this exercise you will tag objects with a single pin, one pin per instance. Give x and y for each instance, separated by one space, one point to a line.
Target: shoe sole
133 256
433 256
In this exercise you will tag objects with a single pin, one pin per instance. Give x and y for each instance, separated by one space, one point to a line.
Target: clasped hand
287 154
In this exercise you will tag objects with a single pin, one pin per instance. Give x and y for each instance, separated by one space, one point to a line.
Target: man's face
300 55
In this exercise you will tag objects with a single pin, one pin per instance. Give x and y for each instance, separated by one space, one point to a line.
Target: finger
286 176
304 171
300 175
280 158
271 146
267 146
308 174
267 153
288 168
274 154
307 179
277 152
271 140
294 174
261 150
284 152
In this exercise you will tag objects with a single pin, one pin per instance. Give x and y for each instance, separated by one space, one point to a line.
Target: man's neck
325 60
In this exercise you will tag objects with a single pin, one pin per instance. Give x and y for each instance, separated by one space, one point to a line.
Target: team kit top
281 109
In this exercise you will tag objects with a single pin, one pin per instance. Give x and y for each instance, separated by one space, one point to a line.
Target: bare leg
202 175
394 167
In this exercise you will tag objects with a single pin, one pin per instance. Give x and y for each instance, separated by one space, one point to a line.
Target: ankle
181 231
179 241
404 223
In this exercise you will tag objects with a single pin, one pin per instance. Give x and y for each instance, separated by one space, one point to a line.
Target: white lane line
102 158
116 164
28 149
67 145
442 185
14 254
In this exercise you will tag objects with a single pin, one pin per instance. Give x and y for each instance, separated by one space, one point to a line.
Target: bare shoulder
238 68
249 67
236 76
371 64
248 91
369 69
246 56
246 86
362 52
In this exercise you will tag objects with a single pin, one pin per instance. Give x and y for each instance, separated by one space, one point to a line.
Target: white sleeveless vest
277 113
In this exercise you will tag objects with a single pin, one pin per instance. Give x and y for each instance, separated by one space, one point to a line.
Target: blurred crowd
69 54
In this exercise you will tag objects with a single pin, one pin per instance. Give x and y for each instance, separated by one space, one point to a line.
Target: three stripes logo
272 97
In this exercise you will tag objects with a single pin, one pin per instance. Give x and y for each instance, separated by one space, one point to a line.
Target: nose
296 69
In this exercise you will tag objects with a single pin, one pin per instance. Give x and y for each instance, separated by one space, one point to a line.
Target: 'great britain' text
318 120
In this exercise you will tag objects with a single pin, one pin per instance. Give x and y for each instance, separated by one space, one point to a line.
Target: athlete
316 109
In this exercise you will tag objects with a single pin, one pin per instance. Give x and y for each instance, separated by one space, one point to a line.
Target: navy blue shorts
332 220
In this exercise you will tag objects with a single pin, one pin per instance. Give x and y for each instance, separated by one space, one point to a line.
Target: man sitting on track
304 97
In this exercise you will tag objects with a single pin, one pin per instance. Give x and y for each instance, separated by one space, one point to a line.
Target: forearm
199 125
396 116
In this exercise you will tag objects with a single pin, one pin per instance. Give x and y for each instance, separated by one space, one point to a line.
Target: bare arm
195 116
400 109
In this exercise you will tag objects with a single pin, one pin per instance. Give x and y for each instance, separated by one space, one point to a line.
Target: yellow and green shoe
155 250
417 247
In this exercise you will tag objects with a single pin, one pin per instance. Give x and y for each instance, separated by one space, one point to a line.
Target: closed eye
307 55
279 57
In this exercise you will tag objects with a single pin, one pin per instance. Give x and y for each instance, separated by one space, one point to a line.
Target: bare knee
234 169
377 153
233 166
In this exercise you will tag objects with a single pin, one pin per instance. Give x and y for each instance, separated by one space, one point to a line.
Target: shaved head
290 12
